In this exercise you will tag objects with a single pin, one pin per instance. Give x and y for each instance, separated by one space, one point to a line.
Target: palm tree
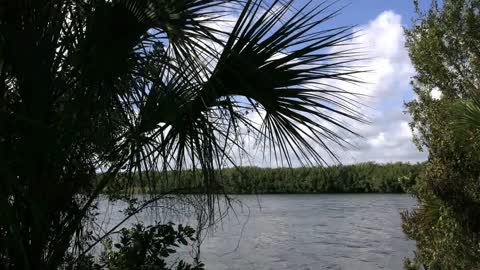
130 88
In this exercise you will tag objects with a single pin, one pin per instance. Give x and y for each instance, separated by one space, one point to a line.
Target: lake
344 231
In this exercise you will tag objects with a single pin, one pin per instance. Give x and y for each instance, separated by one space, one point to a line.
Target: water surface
281 232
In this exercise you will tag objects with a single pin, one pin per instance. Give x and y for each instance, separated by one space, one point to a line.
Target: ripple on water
283 232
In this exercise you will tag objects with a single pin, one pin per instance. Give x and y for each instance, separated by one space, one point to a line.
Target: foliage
143 248
443 45
146 248
137 87
361 178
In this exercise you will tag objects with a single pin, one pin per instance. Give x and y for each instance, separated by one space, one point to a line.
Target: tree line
357 178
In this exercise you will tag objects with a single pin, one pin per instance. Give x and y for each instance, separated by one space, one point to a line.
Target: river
347 231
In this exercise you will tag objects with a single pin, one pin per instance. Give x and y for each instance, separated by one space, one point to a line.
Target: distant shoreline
363 178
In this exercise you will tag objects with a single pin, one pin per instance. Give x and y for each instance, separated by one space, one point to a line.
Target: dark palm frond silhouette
130 88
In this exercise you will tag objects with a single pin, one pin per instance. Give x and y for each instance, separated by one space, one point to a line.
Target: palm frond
189 28
469 112
291 69
276 63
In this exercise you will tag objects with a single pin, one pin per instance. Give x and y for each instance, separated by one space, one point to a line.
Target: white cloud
388 138
436 93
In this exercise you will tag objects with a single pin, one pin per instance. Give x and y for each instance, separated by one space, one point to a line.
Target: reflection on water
306 232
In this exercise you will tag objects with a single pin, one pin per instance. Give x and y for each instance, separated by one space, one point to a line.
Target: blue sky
357 12
363 11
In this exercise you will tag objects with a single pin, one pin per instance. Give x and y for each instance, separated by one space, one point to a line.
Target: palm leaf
286 67
469 112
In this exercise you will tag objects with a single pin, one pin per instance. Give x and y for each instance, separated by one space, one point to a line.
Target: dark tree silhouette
136 87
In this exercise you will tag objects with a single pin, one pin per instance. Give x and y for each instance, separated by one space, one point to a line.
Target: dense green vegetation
362 178
443 45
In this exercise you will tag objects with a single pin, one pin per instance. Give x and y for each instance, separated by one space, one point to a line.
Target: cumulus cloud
388 138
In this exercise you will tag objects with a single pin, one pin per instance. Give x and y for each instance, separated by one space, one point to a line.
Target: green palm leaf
469 112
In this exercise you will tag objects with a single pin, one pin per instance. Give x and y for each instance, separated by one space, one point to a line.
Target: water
311 232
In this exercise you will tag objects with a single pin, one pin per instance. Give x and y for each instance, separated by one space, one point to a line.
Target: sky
388 138
361 12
